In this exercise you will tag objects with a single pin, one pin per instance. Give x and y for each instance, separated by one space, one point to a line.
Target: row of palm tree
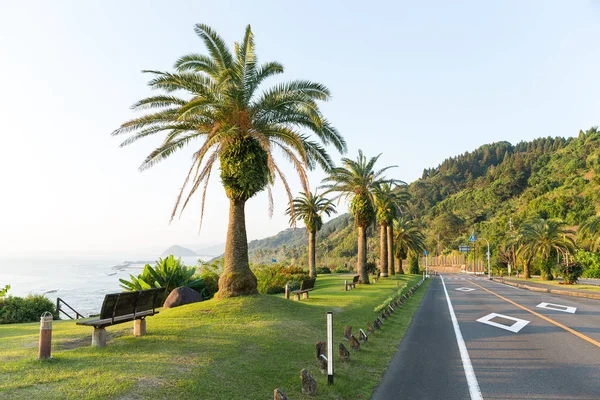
217 104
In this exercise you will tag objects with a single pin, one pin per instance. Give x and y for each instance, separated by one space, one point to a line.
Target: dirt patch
76 343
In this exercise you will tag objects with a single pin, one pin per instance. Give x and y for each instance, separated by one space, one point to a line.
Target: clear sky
418 81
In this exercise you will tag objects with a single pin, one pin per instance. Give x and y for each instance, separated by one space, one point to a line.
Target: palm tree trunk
400 270
312 269
237 279
526 272
383 251
390 243
361 263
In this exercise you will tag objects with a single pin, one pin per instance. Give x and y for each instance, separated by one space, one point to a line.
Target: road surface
505 343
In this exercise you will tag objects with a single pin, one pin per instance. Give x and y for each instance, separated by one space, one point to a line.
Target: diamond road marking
516 327
551 306
465 289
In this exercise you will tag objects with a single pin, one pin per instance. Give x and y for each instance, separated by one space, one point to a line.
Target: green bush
323 270
571 272
209 273
590 263
372 268
14 310
413 265
273 278
4 291
341 271
591 273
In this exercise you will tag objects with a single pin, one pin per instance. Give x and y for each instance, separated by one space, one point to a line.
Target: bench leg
296 296
139 327
99 337
305 295
287 291
346 286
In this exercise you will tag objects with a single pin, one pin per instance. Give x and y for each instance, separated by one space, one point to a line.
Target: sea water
82 282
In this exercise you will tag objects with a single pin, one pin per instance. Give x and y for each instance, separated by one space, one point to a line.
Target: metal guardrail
60 310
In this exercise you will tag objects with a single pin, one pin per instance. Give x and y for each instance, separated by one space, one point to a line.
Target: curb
553 291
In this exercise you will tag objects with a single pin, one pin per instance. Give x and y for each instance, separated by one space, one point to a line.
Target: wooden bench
306 286
351 284
118 308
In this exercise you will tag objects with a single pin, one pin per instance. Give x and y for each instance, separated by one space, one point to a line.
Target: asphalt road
550 354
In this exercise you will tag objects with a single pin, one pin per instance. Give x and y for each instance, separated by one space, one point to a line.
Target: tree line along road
504 343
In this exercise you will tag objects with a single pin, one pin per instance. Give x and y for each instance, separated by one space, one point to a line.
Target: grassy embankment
241 348
557 284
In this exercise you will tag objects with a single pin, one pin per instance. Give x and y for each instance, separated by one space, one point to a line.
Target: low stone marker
376 324
380 321
309 385
370 328
343 352
383 316
354 343
321 348
279 395
362 336
323 363
347 332
391 308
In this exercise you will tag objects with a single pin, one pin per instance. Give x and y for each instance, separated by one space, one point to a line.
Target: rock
181 296
309 385
279 395
376 324
380 321
354 343
343 352
321 348
370 328
383 316
391 308
362 336
323 363
347 332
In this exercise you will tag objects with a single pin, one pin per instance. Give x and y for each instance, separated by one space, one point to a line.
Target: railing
60 310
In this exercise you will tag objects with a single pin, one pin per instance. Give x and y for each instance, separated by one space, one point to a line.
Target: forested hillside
482 191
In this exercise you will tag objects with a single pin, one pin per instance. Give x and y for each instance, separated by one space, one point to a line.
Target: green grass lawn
240 348
557 284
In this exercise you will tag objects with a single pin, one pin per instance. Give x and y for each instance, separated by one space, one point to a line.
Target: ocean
82 282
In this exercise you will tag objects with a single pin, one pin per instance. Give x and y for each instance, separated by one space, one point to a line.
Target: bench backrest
308 284
126 303
355 279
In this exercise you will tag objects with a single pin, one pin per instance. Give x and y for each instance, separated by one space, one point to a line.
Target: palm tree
238 127
544 238
389 203
589 232
309 208
357 181
409 240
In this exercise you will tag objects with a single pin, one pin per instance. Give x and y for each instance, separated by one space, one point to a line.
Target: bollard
287 291
45 347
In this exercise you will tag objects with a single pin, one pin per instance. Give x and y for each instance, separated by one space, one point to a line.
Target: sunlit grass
240 348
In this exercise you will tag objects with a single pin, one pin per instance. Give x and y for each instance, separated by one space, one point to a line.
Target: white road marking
465 289
562 308
474 390
516 327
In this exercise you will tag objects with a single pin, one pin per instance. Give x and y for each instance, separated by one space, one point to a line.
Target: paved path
543 354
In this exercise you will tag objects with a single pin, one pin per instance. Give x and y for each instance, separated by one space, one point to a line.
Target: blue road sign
273 260
425 253
472 238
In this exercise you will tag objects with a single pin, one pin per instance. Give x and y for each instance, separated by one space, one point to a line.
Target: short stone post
99 337
346 286
279 395
287 291
139 327
309 385
343 352
347 332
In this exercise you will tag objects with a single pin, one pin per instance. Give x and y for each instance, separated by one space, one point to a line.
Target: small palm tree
357 181
589 232
238 128
310 208
409 240
545 239
389 204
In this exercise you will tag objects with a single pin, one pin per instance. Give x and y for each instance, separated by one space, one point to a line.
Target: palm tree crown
409 238
590 231
215 99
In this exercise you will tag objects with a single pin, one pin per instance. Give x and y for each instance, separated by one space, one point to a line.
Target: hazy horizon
418 82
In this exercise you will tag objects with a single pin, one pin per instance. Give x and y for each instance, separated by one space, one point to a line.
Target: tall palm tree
225 117
357 181
310 208
544 238
409 239
389 203
589 232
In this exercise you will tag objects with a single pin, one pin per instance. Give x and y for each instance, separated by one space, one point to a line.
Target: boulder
181 296
370 328
376 324
321 349
309 385
354 343
347 332
279 395
343 352
363 336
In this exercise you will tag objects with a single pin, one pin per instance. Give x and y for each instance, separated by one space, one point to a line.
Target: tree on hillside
546 239
310 208
357 181
230 122
589 233
409 240
389 202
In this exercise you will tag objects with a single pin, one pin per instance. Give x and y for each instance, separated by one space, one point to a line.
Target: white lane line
474 390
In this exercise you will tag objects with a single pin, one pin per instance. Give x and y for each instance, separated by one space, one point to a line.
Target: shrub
4 291
323 270
413 265
591 273
341 271
273 278
14 310
371 268
590 262
571 272
209 273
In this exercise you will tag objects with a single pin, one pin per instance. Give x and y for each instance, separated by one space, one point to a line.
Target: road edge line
474 389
